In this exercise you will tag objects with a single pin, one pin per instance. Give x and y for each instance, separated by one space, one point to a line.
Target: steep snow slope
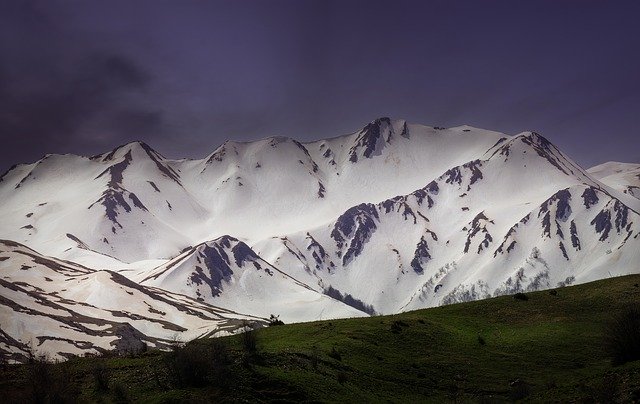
392 217
96 204
133 204
59 308
622 177
469 233
227 273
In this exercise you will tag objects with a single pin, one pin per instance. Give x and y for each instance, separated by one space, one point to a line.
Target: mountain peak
134 147
372 139
535 139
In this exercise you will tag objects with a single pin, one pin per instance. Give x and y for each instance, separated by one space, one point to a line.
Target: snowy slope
132 204
59 308
227 273
466 233
622 177
392 217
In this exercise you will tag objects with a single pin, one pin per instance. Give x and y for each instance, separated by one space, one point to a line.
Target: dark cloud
85 76
60 105
59 93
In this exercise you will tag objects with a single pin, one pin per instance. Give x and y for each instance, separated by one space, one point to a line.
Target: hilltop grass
547 348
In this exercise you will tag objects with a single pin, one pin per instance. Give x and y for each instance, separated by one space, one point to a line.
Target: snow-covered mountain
392 217
623 177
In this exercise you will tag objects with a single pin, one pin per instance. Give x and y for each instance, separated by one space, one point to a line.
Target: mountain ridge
392 217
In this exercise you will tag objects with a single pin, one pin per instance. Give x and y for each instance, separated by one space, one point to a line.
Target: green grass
552 344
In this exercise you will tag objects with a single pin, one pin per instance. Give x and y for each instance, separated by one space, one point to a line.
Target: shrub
553 292
481 340
521 296
342 377
314 358
603 390
275 320
335 354
198 364
41 378
519 390
249 340
45 384
396 326
622 336
120 394
101 376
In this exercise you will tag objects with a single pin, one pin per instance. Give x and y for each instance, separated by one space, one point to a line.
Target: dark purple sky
84 76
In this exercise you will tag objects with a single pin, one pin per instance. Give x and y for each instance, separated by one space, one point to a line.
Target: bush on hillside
249 340
275 320
101 376
198 364
335 354
622 336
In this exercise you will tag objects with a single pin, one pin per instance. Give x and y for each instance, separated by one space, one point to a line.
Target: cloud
66 93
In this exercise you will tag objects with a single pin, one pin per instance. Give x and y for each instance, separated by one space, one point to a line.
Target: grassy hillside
549 347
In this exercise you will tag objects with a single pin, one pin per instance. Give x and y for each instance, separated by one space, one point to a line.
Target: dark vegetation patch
497 350
349 300
623 335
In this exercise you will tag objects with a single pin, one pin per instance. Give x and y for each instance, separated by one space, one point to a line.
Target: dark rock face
563 208
509 236
426 192
575 241
369 139
153 155
421 256
218 155
545 149
456 175
453 175
79 242
166 170
476 174
242 253
301 147
561 200
113 197
319 254
136 201
501 150
112 200
405 131
589 197
622 215
7 172
564 250
116 171
321 190
154 186
354 227
217 266
477 225
603 221
398 204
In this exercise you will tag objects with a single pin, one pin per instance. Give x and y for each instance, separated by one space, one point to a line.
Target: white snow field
128 247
